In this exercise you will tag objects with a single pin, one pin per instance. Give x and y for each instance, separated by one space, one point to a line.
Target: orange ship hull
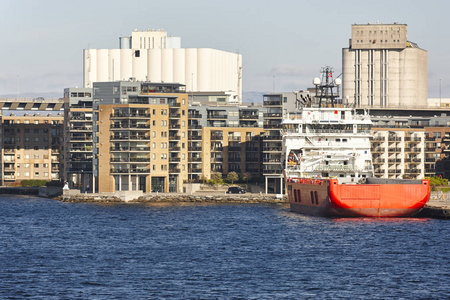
326 197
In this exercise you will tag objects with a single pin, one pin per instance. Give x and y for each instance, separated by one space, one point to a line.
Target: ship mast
324 87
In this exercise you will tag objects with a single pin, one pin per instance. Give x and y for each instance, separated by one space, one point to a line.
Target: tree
232 176
216 176
246 176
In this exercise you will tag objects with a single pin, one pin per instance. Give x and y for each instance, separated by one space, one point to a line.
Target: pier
438 206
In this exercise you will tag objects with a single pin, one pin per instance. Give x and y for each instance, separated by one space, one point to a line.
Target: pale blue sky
42 41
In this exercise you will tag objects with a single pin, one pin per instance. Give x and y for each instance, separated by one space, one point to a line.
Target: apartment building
411 146
223 139
277 106
140 136
31 140
78 143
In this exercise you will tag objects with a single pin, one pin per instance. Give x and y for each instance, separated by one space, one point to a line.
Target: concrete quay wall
176 198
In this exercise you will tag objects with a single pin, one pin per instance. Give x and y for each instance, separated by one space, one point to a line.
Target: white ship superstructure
327 142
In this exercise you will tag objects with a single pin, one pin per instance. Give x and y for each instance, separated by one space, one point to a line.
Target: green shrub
33 182
437 181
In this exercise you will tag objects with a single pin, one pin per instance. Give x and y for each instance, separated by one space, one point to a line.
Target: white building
152 56
381 68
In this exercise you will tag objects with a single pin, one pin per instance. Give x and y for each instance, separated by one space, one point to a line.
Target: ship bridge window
338 140
344 140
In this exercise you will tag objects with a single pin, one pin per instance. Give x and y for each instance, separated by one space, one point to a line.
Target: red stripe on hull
329 198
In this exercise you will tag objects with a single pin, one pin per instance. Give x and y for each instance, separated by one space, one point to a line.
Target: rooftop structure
151 56
381 68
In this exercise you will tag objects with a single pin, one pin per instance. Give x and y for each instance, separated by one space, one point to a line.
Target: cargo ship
328 163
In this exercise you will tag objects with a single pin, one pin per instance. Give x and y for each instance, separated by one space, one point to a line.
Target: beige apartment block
31 145
399 152
143 145
228 149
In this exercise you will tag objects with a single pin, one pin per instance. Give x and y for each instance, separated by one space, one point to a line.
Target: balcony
272 160
217 116
174 137
248 116
272 103
81 128
75 149
129 115
131 160
130 127
195 127
272 126
271 138
270 171
216 137
174 149
272 149
130 171
174 159
79 170
126 148
272 115
174 115
394 150
394 160
412 139
174 170
195 137
217 160
195 116
195 149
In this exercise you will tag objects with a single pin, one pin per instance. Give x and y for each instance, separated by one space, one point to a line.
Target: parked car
236 190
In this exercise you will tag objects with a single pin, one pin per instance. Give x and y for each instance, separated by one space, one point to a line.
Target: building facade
277 107
224 139
78 142
140 136
381 68
31 140
152 56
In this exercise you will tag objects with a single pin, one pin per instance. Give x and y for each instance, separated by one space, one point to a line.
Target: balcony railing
122 115
130 148
137 170
195 116
248 116
224 116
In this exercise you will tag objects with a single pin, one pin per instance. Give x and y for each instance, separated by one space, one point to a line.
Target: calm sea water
55 250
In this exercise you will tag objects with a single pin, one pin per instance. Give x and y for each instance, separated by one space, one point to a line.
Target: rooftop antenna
324 86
